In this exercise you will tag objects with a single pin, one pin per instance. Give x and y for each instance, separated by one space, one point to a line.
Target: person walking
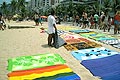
96 18
116 22
77 19
91 22
85 20
36 19
109 23
51 29
102 22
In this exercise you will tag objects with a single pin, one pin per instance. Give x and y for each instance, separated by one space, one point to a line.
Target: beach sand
29 41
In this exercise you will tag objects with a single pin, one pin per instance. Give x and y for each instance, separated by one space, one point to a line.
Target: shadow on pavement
20 27
45 45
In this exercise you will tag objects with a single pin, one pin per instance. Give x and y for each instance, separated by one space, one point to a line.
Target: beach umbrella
43 16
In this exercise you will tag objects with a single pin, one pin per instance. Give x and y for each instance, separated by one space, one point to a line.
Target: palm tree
107 6
116 3
21 7
13 6
4 8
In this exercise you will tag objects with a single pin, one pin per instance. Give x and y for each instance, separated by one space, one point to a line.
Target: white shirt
51 21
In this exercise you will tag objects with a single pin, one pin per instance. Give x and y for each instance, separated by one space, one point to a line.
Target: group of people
94 21
101 22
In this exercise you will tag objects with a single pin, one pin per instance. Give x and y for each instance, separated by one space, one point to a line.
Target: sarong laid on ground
60 32
36 61
56 72
72 38
66 28
93 53
93 44
116 46
63 76
77 46
82 45
87 34
78 40
111 42
80 31
107 68
68 36
96 35
103 38
93 35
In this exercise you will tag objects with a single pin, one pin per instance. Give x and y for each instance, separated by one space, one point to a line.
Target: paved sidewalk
29 41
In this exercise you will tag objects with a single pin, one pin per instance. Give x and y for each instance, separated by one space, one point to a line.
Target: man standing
51 29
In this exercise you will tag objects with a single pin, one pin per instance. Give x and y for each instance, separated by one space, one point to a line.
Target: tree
13 6
4 8
116 3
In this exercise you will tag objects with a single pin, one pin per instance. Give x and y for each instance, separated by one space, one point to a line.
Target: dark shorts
116 22
95 21
77 21
37 20
119 28
85 22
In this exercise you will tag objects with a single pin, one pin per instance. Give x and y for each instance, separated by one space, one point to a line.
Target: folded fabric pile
40 67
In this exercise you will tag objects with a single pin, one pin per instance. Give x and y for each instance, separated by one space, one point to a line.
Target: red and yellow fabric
39 72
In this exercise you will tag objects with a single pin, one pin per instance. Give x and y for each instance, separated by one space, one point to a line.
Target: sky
8 1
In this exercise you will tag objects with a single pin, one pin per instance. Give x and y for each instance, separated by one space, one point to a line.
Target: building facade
36 5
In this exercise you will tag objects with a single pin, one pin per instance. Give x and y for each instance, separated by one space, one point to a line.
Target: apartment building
40 4
37 5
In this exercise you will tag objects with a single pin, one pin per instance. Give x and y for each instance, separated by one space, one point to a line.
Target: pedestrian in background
91 22
102 22
109 23
40 20
96 18
2 23
116 22
85 20
36 19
